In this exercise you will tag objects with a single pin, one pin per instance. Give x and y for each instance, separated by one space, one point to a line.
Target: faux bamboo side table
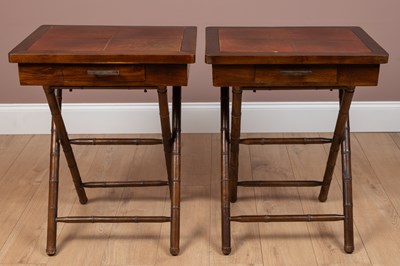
109 57
289 58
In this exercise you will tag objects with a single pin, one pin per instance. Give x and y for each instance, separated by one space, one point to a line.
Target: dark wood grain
225 147
54 170
176 169
109 57
55 110
271 75
189 41
115 141
114 219
292 45
40 74
291 40
107 44
98 74
287 218
130 75
289 58
343 116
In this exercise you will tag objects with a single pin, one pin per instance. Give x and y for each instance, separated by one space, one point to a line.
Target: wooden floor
23 202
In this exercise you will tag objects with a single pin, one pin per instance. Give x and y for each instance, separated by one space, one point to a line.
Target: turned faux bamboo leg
63 137
225 204
345 103
166 130
347 189
176 170
235 138
53 186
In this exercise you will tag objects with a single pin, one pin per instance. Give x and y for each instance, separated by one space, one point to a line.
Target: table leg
235 138
63 136
166 130
347 188
176 170
53 185
345 103
225 204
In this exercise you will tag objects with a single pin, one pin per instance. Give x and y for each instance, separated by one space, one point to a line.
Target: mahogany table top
292 45
107 44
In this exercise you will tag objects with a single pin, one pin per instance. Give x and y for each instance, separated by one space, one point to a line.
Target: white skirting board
106 118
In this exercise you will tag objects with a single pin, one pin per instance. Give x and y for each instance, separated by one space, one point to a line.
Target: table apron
295 75
93 75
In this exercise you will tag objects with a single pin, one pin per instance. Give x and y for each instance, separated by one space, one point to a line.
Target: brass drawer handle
296 73
103 72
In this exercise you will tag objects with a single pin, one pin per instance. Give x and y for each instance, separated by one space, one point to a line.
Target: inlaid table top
107 44
60 55
292 45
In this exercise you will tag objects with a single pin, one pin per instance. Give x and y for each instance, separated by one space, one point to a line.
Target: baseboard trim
106 118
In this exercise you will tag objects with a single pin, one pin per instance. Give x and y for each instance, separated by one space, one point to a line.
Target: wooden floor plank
245 238
374 213
137 244
384 157
396 138
308 162
21 264
27 241
282 243
196 159
372 208
20 183
194 230
23 195
195 208
11 146
111 163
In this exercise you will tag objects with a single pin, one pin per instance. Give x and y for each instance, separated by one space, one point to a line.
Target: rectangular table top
292 45
107 44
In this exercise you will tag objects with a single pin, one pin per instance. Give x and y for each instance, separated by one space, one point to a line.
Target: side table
61 57
289 58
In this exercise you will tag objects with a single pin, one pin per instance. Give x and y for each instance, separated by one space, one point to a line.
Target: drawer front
296 76
103 75
92 75
287 74
40 74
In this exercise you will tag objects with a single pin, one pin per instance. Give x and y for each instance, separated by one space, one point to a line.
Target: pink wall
380 19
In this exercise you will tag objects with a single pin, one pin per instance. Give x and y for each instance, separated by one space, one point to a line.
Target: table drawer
92 75
287 74
103 75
